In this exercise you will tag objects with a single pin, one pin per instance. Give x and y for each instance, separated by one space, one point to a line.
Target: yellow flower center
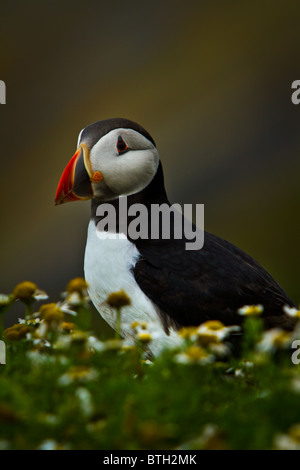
144 337
16 332
51 313
118 299
213 325
24 290
78 284
195 352
188 332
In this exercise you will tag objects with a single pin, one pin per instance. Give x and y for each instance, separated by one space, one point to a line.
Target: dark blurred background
211 82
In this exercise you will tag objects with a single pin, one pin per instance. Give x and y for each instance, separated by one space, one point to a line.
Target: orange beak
76 181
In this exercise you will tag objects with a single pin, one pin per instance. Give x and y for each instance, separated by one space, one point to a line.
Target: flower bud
25 290
16 332
51 313
118 299
78 284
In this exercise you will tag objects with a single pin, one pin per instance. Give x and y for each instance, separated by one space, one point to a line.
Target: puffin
116 165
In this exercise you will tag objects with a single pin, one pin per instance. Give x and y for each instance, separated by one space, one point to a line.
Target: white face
123 173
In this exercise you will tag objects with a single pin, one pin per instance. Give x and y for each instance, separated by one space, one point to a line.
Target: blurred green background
211 82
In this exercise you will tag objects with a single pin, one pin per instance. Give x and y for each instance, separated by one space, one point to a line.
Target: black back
190 287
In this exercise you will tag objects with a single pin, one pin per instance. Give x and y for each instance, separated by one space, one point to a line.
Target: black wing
190 287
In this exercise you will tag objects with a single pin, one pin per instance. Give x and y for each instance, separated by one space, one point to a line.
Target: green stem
28 308
118 323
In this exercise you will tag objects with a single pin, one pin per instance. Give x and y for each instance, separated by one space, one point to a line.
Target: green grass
61 390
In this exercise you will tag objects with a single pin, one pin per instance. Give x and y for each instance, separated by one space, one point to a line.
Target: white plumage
109 258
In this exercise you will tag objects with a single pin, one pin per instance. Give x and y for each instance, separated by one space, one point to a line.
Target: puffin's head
115 157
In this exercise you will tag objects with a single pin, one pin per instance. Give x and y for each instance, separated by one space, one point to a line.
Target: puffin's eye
121 145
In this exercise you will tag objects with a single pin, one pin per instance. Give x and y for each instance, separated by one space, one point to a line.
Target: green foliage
64 387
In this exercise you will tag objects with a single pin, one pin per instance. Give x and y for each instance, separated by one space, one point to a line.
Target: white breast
107 265
108 260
